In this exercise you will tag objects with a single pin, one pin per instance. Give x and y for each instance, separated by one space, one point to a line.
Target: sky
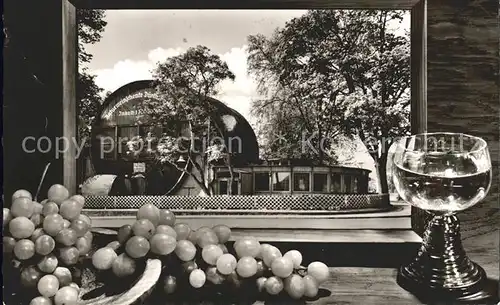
135 40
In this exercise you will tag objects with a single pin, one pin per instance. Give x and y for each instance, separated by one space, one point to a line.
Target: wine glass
442 173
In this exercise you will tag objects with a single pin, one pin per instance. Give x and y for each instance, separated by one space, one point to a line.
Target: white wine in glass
442 173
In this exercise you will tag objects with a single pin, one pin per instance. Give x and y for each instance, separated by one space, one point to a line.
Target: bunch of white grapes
45 240
202 256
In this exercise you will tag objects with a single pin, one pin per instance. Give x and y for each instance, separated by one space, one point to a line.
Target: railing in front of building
307 203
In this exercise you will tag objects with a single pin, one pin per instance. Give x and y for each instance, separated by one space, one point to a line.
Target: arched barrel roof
242 128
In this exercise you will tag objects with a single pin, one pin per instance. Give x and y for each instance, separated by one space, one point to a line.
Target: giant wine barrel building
123 117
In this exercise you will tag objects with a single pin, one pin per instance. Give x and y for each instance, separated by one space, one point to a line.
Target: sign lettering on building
129 109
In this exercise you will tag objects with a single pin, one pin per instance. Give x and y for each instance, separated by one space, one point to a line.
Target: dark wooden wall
34 102
463 96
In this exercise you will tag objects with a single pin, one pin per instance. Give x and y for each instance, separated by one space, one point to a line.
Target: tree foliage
91 25
186 82
331 73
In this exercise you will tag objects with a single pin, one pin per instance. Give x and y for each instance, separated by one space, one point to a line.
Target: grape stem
302 271
41 181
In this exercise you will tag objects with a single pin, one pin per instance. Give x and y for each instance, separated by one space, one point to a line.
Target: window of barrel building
298 101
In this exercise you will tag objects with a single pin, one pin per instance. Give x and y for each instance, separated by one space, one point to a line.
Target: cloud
237 94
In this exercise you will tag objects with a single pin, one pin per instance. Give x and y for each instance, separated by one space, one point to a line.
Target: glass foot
441 269
474 287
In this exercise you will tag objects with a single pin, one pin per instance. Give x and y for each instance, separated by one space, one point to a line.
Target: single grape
246 267
124 233
311 286
137 246
44 245
52 224
37 219
70 209
185 250
226 264
8 245
183 230
21 193
247 246
80 226
192 237
143 227
223 233
69 255
48 285
164 229
294 286
189 266
89 235
37 233
263 248
282 267
66 296
66 223
270 254
66 237
7 216
295 256
274 285
83 245
24 249
41 301
197 278
30 276
167 217
103 258
211 253
50 208
37 207
261 283
169 284
162 244
319 271
63 276
80 199
123 266
206 237
85 218
48 263
149 212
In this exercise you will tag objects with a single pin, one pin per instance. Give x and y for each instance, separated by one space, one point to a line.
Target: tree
337 72
385 111
186 82
91 25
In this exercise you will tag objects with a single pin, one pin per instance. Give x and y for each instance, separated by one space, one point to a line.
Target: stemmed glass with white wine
442 173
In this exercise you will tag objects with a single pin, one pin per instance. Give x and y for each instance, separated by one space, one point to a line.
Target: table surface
480 238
